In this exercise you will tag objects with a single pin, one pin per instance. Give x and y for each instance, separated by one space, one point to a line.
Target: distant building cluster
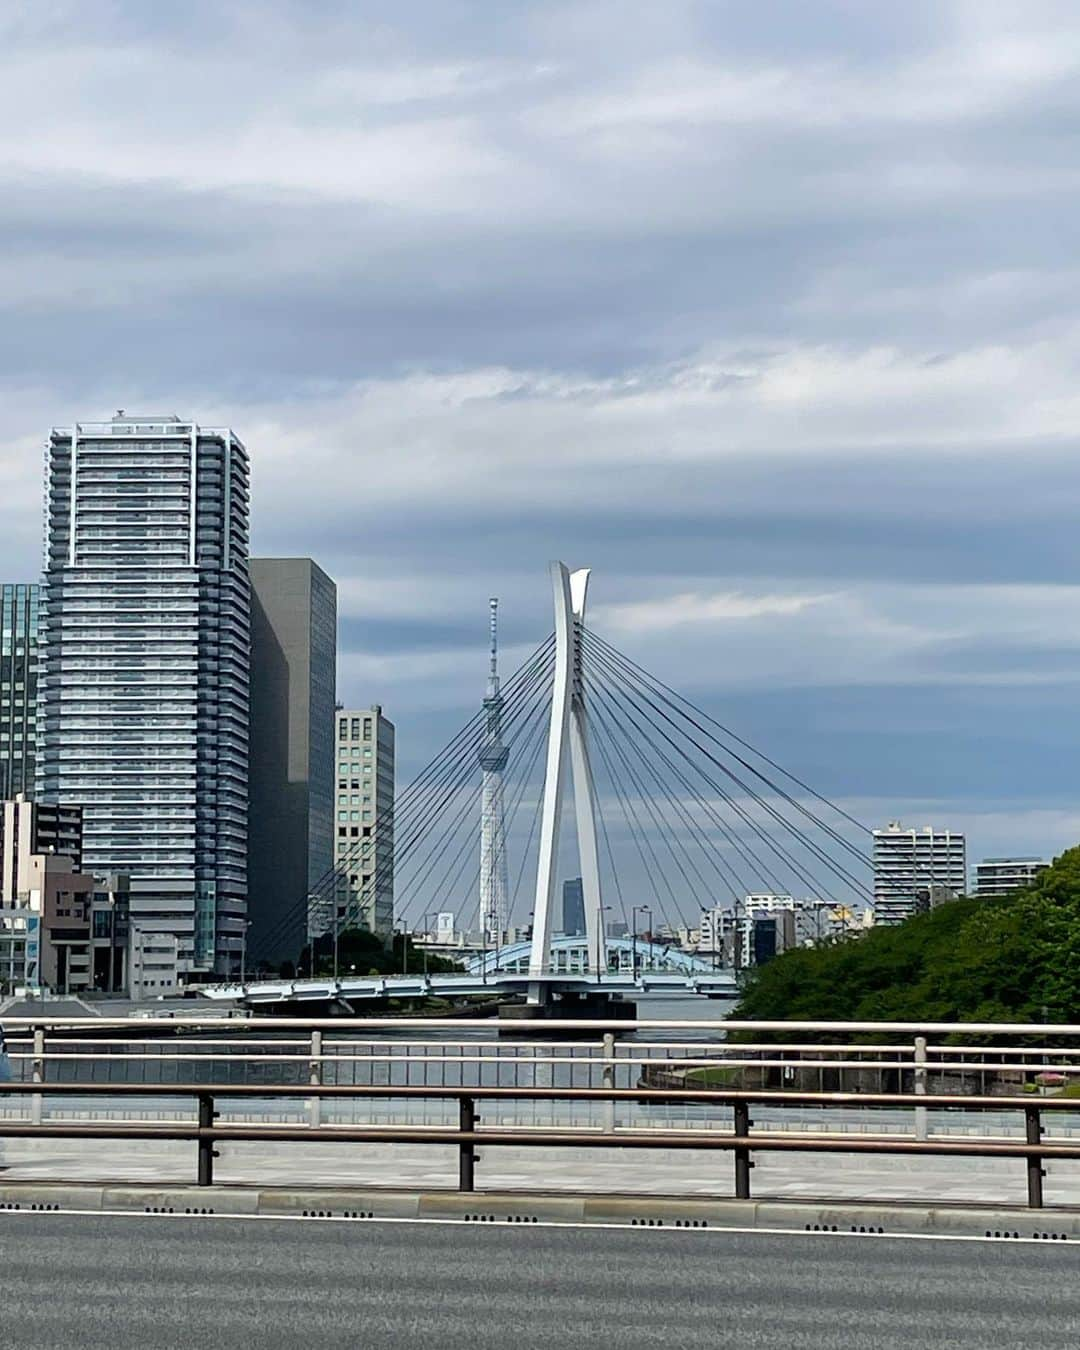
182 795
175 793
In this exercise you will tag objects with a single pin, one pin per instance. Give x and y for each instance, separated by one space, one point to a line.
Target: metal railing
743 1141
645 1084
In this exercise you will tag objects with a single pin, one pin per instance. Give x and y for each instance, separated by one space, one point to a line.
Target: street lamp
427 937
243 952
401 928
338 907
642 909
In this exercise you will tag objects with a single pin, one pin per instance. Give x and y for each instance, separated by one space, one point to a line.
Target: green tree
364 953
1015 959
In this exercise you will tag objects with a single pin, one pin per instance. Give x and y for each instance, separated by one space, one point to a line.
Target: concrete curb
525 1207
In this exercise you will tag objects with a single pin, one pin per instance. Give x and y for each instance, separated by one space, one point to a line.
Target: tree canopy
1012 959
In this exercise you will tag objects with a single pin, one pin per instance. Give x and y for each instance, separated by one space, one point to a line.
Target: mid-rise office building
18 688
915 870
143 686
1002 876
45 900
364 844
573 907
291 804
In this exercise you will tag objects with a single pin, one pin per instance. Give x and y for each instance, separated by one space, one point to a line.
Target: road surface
159 1284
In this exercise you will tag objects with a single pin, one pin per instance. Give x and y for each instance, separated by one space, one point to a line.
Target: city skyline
665 319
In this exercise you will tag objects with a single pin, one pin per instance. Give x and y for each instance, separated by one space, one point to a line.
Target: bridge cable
440 847
432 779
674 699
716 860
637 834
655 811
811 845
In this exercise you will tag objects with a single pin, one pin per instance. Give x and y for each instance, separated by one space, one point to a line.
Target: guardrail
647 1063
474 1051
469 1134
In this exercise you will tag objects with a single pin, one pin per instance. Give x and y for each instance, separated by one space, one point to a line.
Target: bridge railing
426 1052
743 1140
861 1087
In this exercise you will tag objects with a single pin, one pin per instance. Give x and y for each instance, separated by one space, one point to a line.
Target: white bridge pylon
568 736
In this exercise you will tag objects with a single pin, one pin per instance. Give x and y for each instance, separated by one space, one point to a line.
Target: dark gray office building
573 907
291 790
18 688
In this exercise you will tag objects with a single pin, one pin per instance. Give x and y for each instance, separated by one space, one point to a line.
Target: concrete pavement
690 1173
158 1284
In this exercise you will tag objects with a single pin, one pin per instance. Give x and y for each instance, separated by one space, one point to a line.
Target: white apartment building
915 869
1002 876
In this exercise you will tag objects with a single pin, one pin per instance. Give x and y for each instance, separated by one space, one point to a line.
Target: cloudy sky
767 312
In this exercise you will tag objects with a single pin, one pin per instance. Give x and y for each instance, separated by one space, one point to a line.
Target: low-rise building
154 963
1002 876
45 899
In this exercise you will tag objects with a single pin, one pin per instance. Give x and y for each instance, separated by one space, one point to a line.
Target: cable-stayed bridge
673 813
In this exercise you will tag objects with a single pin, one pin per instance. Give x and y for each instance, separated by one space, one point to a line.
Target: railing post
921 1127
206 1145
742 1154
315 1079
466 1156
1033 1129
37 1074
608 1081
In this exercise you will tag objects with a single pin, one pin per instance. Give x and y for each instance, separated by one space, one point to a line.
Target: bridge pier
591 1006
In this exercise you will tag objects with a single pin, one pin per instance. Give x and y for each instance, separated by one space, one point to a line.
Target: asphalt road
152 1284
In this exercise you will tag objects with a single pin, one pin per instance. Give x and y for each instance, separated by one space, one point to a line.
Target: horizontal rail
740 1141
454 1092
523 1025
569 1138
701 1061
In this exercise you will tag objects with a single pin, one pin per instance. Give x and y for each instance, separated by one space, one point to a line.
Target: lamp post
402 930
637 909
243 951
427 936
337 932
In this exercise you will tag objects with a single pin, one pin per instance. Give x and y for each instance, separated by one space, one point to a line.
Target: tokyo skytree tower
494 885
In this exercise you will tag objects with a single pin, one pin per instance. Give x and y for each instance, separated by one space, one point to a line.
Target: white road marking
667 1227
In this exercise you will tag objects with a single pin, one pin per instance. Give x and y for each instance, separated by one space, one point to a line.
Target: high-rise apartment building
364 844
915 870
143 690
1002 876
18 687
291 804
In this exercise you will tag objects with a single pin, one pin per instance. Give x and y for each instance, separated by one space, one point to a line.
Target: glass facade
143 696
18 687
293 674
